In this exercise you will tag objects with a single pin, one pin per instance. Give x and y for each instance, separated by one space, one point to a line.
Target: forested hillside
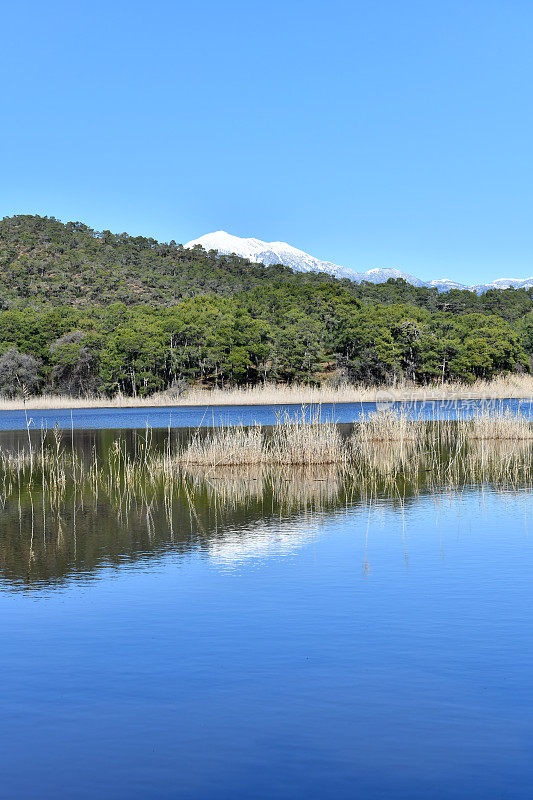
43 260
84 311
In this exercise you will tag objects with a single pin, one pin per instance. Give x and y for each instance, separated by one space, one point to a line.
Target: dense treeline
303 334
510 304
86 312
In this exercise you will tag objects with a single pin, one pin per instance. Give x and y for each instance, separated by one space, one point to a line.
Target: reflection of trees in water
42 543
116 504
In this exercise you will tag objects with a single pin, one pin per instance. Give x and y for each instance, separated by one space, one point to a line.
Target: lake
209 416
265 635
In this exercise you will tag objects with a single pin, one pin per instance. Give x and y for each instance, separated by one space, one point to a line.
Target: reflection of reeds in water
300 462
288 487
500 464
52 466
54 501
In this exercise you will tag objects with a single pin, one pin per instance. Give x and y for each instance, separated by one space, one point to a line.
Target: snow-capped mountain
283 253
504 283
270 253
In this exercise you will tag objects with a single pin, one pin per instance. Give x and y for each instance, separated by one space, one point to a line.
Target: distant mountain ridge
282 253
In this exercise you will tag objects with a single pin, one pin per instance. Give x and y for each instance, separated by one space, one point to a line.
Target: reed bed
52 494
309 441
293 440
387 470
299 441
387 455
501 425
389 425
224 447
509 386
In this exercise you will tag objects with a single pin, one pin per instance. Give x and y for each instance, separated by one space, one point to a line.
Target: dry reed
300 441
389 425
225 447
496 425
293 440
509 386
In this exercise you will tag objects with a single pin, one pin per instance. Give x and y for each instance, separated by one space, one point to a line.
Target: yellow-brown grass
225 447
388 425
295 457
300 441
504 425
296 441
511 386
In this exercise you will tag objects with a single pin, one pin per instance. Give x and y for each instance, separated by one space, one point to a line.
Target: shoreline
516 387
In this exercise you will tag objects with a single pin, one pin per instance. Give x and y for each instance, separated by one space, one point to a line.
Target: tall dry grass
510 386
293 440
503 425
223 447
389 425
300 441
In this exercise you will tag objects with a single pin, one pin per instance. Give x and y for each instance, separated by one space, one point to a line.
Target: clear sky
376 133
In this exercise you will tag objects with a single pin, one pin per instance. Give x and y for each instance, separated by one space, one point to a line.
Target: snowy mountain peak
282 253
270 253
226 243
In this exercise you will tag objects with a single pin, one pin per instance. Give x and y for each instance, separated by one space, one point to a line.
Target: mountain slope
43 260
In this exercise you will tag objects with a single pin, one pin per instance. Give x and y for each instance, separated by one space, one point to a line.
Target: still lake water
209 416
254 642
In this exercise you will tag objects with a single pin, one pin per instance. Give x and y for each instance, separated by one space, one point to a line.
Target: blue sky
376 133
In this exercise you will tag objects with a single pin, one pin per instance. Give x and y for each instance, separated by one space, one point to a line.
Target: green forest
83 311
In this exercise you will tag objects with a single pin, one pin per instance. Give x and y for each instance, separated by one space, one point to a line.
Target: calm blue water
251 653
195 416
